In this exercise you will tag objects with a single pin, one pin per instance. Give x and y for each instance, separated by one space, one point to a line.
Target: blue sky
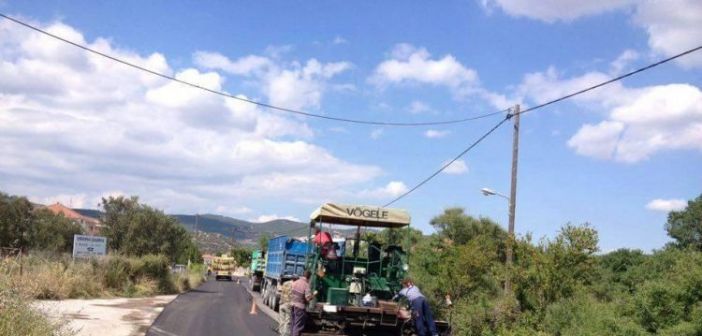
74 128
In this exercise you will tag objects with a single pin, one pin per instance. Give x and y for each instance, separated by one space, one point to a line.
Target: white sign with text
89 246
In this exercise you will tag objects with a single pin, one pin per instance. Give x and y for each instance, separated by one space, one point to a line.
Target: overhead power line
258 103
509 116
428 178
615 79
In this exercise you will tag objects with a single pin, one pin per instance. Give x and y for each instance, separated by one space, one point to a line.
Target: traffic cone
253 307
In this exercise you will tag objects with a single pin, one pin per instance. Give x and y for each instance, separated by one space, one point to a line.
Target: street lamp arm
490 192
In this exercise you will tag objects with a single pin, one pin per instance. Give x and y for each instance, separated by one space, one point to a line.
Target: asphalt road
213 309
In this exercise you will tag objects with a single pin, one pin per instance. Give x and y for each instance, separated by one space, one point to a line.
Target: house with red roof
91 226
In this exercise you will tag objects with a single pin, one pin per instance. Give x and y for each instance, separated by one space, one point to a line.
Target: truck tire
272 297
276 301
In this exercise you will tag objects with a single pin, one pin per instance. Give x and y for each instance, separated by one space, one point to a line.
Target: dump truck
355 289
258 266
285 260
223 267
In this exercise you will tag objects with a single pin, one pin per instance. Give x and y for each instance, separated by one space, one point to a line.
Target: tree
15 221
685 226
242 255
21 226
263 241
119 212
137 229
53 232
459 228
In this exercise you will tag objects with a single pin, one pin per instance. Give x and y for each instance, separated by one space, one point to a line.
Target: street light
490 192
508 252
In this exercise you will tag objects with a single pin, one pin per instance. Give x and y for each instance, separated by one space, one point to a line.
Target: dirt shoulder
106 317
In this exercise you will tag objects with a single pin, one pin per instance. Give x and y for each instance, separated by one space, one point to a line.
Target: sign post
89 246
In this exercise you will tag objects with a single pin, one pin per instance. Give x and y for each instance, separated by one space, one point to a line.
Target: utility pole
512 198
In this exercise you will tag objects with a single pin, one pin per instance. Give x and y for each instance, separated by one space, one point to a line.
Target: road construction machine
223 267
356 285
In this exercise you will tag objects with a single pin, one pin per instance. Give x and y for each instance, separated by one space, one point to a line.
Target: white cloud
376 133
294 85
666 205
555 10
622 62
268 218
72 201
73 123
392 189
637 122
663 117
409 64
435 134
246 65
227 210
418 107
456 168
541 87
673 26
339 40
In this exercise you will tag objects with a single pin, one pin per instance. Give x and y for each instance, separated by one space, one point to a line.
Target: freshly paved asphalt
215 308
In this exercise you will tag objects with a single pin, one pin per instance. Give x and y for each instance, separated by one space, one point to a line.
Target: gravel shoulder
106 317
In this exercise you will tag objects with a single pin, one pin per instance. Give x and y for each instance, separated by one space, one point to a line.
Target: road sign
89 246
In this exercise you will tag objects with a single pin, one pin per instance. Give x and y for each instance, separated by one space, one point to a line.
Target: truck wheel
266 294
276 301
272 296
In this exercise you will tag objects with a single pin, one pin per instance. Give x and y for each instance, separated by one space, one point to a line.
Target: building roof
69 213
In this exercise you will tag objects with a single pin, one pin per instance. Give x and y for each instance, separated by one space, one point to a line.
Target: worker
324 240
421 312
301 296
284 309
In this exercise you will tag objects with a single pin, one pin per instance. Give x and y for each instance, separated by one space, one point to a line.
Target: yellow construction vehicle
223 267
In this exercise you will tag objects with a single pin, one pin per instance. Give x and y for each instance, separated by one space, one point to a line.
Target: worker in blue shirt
423 317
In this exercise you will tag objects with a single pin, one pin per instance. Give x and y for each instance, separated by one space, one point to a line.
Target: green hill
241 230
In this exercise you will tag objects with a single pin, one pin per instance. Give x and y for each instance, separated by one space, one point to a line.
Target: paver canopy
360 215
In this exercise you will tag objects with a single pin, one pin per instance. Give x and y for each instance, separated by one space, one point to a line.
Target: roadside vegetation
59 277
561 286
143 244
18 318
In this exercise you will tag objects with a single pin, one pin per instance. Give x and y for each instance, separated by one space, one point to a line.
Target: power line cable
427 179
261 104
509 116
615 79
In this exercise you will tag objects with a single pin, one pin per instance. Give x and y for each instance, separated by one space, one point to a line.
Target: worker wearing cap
421 312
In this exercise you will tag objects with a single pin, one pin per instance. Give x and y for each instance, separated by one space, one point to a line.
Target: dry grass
192 278
16 315
59 277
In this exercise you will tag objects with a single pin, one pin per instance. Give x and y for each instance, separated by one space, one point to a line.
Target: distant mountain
242 231
212 243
